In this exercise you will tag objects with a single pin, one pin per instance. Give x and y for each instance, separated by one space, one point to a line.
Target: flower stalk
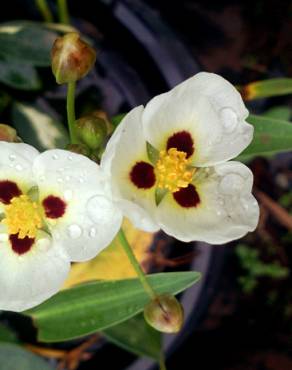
63 12
71 110
44 10
142 277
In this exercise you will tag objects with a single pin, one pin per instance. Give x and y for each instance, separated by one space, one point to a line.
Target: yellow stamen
173 170
23 217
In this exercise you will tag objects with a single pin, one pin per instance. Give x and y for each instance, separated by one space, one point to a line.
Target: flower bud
79 149
91 131
165 314
8 133
72 58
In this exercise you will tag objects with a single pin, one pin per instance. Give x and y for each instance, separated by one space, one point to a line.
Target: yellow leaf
112 263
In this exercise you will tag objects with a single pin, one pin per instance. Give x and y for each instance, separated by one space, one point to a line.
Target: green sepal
159 195
153 153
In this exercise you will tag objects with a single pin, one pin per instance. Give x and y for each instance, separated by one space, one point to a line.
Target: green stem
143 279
71 111
63 12
44 10
162 365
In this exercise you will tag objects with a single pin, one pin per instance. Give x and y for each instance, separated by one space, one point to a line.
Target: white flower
168 163
53 209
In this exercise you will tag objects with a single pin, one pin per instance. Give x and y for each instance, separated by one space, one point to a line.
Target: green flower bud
8 133
72 58
91 131
79 149
165 314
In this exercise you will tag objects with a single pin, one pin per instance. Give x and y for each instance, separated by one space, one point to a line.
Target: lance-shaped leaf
266 88
136 336
271 136
99 305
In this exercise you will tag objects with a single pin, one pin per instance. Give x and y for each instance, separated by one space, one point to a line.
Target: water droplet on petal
70 158
19 167
44 244
59 180
4 237
231 184
74 231
81 180
55 156
68 194
12 157
92 232
68 178
61 169
229 119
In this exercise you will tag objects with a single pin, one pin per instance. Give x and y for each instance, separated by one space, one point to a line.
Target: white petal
29 279
91 220
227 210
208 107
16 163
126 147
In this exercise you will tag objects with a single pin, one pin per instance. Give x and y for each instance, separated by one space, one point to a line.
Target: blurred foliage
255 268
13 357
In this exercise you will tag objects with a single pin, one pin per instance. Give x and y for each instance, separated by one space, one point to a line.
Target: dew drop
229 119
81 180
68 194
70 158
4 237
44 244
19 167
12 157
74 231
231 184
68 178
92 232
59 180
55 156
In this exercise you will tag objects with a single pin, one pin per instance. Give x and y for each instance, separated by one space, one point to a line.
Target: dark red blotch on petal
187 197
21 246
54 207
142 175
182 141
8 191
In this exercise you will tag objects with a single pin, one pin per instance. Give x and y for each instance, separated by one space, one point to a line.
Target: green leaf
99 305
37 128
279 112
153 153
267 88
13 357
19 76
271 136
116 120
6 335
26 42
136 336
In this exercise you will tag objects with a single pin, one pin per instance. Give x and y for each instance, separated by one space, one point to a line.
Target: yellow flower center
173 170
23 217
